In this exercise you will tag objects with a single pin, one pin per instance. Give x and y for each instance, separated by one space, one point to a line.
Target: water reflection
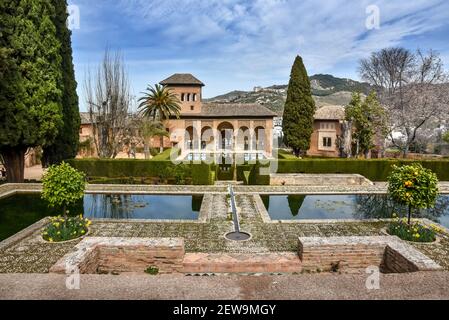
111 206
300 207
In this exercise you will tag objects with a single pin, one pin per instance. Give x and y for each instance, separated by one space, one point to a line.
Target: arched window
188 97
182 97
194 97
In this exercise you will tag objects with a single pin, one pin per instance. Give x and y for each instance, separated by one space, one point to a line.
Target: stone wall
395 262
347 254
318 179
120 255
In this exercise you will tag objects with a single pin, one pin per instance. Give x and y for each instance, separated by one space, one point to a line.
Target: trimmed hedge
255 178
373 169
199 174
166 154
202 174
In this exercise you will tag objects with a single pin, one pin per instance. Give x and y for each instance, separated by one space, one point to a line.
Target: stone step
281 262
228 182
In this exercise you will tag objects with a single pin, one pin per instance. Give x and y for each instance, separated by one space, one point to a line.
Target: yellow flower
50 239
417 235
408 183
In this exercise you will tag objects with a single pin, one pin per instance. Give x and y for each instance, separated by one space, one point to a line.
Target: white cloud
238 44
265 35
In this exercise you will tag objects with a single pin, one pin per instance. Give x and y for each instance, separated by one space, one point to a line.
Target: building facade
327 131
216 128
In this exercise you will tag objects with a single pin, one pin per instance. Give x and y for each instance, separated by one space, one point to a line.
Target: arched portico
191 138
244 139
225 132
207 138
260 138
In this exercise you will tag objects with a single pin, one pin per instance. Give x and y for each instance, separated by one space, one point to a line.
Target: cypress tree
299 110
30 70
66 143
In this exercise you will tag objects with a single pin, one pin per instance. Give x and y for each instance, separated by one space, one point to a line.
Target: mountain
326 89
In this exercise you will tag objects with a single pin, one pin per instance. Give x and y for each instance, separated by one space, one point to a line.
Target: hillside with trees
326 90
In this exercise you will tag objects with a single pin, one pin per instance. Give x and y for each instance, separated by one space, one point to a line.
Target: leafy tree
446 137
150 129
413 186
66 143
299 110
30 70
159 103
368 119
63 185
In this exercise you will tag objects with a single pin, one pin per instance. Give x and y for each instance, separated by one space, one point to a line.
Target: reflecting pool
20 211
312 207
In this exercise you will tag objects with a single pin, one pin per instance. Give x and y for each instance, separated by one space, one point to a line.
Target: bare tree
413 88
108 101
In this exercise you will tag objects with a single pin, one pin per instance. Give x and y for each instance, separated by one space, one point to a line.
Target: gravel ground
422 285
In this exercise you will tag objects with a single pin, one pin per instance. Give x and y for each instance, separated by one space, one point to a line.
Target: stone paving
33 255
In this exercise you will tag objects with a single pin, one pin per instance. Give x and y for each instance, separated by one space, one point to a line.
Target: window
194 97
188 97
192 108
327 126
81 131
182 96
327 142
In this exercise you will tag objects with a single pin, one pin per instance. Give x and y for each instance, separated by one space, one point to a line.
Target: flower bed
414 232
64 229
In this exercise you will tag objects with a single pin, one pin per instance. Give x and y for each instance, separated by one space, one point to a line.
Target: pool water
172 207
20 211
315 207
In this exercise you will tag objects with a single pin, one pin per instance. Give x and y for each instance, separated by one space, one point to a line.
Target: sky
237 45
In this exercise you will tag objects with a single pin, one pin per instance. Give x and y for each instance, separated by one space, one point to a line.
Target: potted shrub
416 188
63 185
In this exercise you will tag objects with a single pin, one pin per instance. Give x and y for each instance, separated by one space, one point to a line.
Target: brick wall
395 262
389 253
110 255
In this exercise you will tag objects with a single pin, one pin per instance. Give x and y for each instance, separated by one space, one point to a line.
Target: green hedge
374 169
255 178
203 174
199 174
166 154
241 169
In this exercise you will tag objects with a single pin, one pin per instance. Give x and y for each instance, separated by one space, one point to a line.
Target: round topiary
413 186
63 185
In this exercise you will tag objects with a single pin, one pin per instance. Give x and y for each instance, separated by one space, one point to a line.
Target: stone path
421 285
282 262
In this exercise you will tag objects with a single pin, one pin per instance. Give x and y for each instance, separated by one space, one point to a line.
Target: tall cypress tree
299 110
66 143
30 70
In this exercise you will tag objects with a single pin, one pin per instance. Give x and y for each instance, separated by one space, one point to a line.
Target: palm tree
159 103
149 130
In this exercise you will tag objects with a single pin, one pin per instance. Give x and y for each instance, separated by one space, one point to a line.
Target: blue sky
234 44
